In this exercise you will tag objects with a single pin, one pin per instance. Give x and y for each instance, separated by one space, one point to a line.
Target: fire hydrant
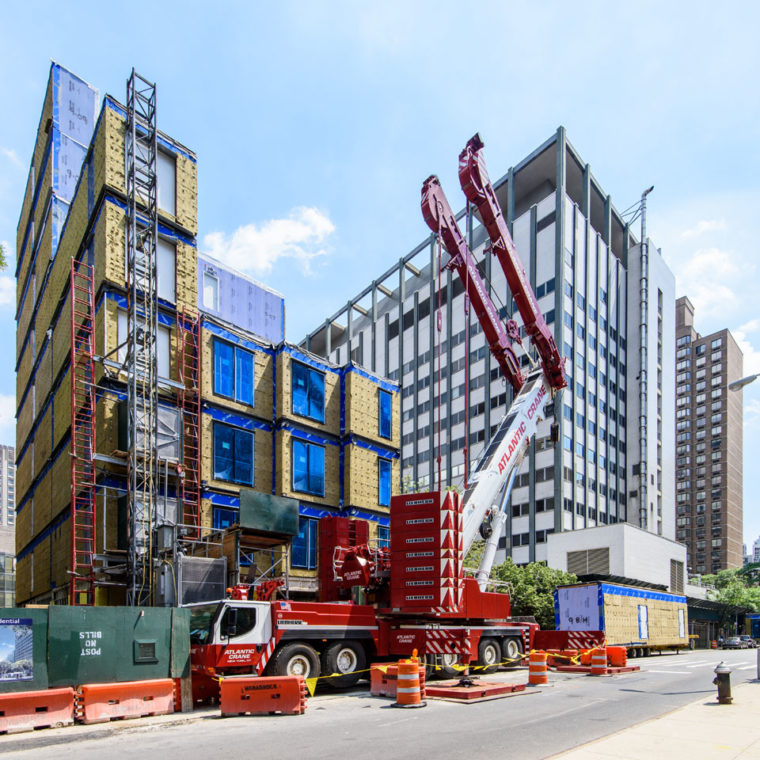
723 681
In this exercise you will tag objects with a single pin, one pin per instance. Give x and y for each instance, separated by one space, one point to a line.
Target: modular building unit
638 618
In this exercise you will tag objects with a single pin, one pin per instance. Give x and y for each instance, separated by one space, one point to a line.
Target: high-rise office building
610 303
708 445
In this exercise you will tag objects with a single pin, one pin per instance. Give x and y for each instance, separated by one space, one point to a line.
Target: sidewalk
700 731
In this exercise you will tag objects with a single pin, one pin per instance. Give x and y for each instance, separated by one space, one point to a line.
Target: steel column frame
141 150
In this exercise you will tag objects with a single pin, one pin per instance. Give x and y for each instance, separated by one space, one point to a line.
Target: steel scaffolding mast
142 312
81 589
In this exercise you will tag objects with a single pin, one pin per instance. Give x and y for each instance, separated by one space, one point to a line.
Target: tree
3 262
734 588
532 585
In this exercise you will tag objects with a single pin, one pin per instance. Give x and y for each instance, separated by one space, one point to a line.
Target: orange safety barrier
537 673
254 695
713 644
27 710
586 657
599 661
101 702
408 691
383 679
617 657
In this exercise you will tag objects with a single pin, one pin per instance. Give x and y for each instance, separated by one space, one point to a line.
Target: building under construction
168 438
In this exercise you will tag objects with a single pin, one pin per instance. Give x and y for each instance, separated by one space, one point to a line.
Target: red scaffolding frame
188 403
82 586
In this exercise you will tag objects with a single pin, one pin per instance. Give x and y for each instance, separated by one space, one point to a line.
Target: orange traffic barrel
713 644
408 693
599 661
537 673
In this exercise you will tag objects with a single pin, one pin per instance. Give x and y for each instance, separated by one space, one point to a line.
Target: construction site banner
23 649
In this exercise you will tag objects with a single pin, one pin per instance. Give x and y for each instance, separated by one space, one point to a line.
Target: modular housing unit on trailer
641 619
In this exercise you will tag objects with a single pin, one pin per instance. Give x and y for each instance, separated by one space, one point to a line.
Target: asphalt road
572 710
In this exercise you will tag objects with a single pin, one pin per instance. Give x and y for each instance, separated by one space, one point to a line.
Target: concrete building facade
581 258
7 526
709 434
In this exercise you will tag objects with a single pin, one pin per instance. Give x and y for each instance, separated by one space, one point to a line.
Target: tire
296 660
346 657
446 666
511 649
489 655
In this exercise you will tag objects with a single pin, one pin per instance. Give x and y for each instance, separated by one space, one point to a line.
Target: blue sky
315 124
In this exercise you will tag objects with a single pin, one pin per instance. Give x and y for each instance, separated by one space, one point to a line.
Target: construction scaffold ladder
141 149
81 589
188 403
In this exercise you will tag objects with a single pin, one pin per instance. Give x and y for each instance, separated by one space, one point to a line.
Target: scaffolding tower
81 587
142 330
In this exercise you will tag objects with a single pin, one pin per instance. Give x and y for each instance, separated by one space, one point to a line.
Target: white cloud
255 249
12 156
7 290
7 419
704 225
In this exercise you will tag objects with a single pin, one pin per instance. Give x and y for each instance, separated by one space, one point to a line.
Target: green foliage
3 262
735 588
533 589
532 585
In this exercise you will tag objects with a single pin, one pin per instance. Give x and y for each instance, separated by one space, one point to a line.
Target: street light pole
737 385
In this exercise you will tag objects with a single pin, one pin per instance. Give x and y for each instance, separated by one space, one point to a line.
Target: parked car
735 642
749 641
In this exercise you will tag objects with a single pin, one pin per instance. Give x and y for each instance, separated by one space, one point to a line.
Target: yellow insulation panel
363 410
262 459
621 620
285 396
361 478
262 378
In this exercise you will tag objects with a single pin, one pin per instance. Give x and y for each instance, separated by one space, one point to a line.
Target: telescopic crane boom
495 470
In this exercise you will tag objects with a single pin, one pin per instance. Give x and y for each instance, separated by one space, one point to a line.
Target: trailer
643 620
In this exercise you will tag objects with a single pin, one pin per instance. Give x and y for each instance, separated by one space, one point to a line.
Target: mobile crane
421 597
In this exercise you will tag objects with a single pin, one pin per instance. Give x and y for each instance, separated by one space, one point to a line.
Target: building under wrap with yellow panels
75 207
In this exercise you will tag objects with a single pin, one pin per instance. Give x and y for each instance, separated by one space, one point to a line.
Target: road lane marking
669 672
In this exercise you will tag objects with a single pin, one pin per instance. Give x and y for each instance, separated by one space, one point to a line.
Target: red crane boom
479 191
441 220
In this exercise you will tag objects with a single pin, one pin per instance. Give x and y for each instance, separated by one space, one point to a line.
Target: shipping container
640 619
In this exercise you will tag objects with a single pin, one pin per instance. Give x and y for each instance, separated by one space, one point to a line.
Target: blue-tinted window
224 369
567 443
581 301
384 482
233 372
308 468
569 320
383 536
568 412
223 518
233 454
304 547
308 392
385 405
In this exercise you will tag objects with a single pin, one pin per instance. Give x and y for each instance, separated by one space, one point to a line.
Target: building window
233 454
308 392
308 468
166 270
167 182
163 345
383 536
210 291
385 403
304 548
233 372
384 482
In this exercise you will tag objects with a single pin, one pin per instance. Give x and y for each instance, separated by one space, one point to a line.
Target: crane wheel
347 658
489 655
296 660
511 650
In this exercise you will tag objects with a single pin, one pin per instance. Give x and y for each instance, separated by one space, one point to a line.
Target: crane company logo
238 655
534 405
516 438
